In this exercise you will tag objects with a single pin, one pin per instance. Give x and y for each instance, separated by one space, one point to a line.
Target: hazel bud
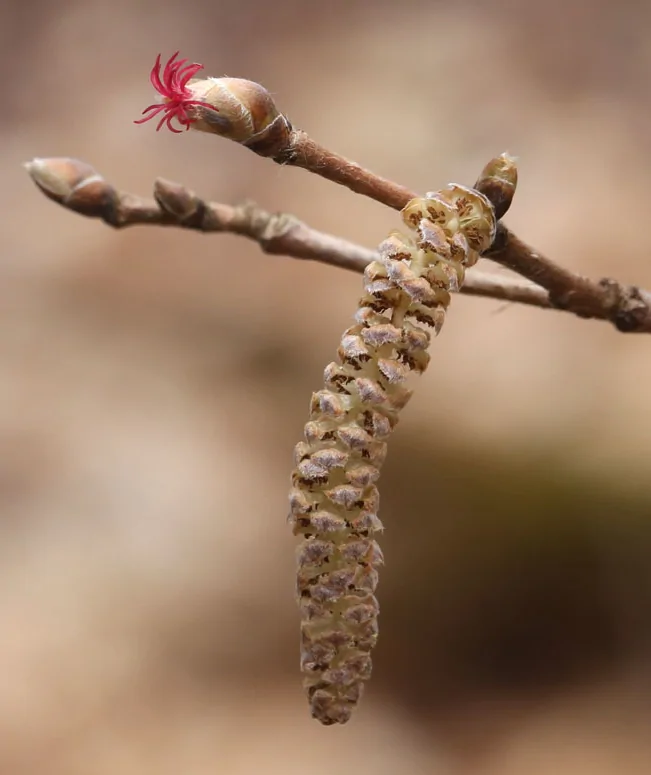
242 111
234 108
177 200
73 184
498 181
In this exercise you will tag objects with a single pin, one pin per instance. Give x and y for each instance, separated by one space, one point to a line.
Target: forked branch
245 112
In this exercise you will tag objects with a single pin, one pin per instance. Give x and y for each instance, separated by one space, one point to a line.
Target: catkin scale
334 498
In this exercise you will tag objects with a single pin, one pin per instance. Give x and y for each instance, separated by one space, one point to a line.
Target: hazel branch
79 188
627 307
76 186
245 112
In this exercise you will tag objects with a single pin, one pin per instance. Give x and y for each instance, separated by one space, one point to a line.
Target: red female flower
173 85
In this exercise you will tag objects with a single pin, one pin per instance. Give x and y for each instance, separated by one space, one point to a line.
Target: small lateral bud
73 184
176 199
498 181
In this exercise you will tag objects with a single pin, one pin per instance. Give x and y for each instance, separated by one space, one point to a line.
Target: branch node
628 309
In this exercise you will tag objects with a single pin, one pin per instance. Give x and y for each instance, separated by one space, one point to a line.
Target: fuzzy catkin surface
334 499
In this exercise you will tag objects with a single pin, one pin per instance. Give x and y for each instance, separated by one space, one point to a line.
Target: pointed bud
73 184
177 200
498 181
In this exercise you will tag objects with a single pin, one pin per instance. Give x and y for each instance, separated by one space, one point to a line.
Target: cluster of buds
334 498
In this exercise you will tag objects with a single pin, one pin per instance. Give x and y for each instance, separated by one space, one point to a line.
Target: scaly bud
73 184
242 111
498 181
177 200
233 108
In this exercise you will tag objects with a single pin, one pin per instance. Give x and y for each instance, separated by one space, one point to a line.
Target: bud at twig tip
71 183
49 175
233 108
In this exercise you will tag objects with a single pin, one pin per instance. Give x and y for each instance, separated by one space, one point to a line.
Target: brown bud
73 184
244 112
498 181
176 199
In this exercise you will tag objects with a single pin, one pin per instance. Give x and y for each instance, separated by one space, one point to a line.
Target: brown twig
627 307
79 188
302 151
245 112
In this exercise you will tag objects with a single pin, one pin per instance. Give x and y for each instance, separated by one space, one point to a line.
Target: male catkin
334 498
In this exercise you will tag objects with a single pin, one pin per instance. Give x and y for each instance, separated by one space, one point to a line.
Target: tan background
153 383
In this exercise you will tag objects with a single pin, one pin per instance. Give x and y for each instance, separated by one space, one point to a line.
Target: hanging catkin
334 498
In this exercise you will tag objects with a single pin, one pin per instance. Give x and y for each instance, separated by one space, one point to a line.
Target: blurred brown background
151 394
